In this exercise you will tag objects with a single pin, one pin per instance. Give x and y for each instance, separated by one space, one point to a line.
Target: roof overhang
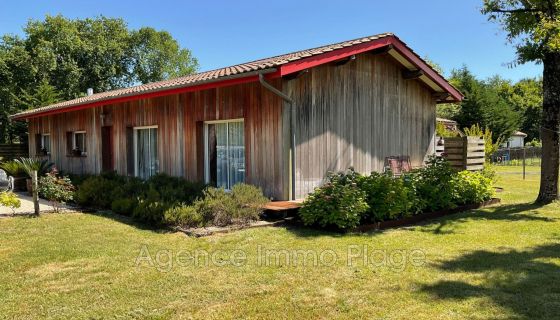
397 49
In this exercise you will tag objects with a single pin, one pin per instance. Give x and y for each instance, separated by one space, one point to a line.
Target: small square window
79 143
46 144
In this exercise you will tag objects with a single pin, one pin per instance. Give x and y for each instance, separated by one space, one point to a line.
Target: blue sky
222 33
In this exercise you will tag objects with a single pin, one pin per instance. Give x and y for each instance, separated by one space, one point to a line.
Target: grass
498 263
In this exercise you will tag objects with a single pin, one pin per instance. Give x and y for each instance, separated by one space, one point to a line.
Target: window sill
76 156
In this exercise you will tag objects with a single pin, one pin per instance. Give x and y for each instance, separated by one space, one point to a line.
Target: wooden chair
6 183
398 165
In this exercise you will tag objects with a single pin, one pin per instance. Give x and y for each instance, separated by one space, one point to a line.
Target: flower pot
20 184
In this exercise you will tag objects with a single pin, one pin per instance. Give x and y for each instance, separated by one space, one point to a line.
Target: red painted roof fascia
428 71
398 45
334 55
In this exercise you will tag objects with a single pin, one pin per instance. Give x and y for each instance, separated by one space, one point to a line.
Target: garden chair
398 165
6 183
393 164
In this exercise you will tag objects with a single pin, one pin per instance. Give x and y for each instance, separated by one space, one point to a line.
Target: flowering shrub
339 202
348 199
387 197
57 190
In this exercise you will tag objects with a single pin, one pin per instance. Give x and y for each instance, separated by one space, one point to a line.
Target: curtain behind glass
221 156
236 153
146 156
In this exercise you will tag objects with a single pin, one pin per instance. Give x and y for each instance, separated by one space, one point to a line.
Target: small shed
517 140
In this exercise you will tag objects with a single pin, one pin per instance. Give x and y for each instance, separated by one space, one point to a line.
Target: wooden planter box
465 153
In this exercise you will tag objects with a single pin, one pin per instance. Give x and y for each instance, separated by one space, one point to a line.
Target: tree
483 106
525 97
533 27
71 55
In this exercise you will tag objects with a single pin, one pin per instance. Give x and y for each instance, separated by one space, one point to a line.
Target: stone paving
27 206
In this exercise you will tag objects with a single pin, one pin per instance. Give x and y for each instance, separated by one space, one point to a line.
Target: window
76 143
146 163
225 153
79 142
46 144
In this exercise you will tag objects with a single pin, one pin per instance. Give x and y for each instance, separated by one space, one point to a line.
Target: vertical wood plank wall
179 119
357 114
351 115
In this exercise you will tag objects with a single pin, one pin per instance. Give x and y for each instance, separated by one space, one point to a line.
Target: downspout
289 100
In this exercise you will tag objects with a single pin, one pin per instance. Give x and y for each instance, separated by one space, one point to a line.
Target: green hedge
349 199
166 200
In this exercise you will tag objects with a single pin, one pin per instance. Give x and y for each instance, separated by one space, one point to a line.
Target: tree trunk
550 129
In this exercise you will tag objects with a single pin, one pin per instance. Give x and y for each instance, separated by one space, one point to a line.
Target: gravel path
27 206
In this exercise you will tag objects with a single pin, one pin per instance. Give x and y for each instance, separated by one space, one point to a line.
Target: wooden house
280 123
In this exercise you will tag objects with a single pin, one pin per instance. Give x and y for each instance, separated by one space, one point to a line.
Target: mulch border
423 216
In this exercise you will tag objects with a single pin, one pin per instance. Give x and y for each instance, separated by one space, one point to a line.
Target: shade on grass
499 263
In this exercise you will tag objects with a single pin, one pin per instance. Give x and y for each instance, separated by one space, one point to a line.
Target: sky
222 33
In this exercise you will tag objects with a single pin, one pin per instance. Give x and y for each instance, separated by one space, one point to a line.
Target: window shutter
37 144
130 151
69 143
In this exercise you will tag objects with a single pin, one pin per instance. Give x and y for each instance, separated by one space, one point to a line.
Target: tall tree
483 106
533 26
71 55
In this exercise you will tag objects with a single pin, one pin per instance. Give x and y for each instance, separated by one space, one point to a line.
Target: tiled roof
207 76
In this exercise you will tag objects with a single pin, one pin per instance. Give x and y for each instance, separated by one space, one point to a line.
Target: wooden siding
179 119
352 115
355 115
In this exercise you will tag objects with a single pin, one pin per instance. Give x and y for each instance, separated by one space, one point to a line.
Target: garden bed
208 231
423 216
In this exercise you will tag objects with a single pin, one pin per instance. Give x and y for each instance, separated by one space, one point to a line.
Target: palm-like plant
12 168
28 165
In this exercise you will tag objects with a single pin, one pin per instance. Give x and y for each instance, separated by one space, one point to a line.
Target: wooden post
35 191
524 156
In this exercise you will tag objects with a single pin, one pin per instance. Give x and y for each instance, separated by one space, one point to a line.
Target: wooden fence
465 153
11 151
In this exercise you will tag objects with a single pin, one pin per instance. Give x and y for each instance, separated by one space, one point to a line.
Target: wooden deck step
283 205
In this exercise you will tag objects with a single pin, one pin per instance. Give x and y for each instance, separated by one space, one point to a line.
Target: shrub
184 216
151 208
240 206
250 201
10 200
57 190
174 189
472 187
97 192
433 184
123 206
339 202
387 197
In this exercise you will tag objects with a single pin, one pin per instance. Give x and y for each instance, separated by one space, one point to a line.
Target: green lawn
497 263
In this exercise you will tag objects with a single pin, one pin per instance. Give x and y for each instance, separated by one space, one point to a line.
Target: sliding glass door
145 152
225 153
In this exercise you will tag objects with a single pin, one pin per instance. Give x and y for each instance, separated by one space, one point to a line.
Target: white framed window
46 143
146 160
79 142
224 152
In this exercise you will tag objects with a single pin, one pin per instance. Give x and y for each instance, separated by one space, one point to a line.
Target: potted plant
28 165
77 152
